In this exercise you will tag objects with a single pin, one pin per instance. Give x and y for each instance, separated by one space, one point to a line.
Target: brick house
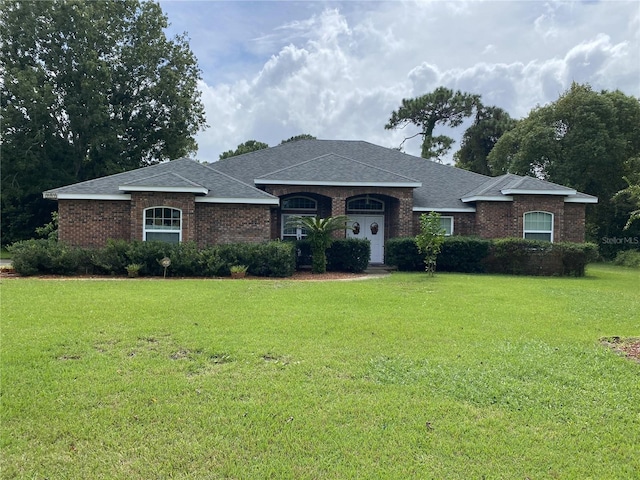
248 198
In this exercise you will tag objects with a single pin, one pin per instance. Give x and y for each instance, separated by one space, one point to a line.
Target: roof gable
336 170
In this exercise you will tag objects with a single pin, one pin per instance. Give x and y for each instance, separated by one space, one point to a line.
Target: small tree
429 240
319 232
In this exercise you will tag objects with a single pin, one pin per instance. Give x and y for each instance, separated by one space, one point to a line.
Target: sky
336 70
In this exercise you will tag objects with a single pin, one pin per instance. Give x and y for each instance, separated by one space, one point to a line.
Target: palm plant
319 232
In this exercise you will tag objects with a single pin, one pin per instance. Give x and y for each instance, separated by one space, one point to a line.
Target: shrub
463 254
513 255
112 259
576 256
47 256
628 258
349 255
272 259
403 253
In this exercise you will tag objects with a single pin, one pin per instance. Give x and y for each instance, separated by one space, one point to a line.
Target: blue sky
274 69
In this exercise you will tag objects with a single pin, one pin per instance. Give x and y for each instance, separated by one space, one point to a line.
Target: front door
370 227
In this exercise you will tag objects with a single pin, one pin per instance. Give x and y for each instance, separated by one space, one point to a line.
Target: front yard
455 376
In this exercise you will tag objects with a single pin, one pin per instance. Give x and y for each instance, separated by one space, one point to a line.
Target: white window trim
452 224
314 209
299 235
159 230
377 201
525 231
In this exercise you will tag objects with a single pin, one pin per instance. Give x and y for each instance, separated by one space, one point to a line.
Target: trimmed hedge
514 256
348 255
271 259
344 255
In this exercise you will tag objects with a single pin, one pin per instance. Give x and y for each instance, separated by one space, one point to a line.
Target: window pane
545 237
299 203
537 221
447 224
168 237
365 203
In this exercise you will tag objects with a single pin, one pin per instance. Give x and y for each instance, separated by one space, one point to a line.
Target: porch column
338 207
405 217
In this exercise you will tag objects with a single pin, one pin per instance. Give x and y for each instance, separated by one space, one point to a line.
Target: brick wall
574 215
90 223
218 223
464 223
398 203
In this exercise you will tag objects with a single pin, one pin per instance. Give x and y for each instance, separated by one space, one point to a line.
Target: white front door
370 227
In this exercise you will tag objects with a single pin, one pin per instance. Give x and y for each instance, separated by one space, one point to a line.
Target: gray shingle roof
184 172
317 162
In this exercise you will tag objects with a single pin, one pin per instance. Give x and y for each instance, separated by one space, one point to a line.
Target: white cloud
338 73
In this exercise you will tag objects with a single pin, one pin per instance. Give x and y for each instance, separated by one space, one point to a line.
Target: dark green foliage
303 253
295 138
246 147
272 259
46 256
403 253
514 256
89 89
348 255
628 258
463 254
440 107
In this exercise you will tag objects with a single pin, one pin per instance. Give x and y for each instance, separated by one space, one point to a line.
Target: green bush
576 256
628 258
272 259
112 259
47 256
403 253
348 255
513 255
463 254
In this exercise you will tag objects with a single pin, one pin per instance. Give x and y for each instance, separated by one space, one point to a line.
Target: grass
455 376
4 254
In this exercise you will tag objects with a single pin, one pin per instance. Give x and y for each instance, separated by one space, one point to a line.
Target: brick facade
218 223
332 201
90 223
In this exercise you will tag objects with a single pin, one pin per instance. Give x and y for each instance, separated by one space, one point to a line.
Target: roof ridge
208 165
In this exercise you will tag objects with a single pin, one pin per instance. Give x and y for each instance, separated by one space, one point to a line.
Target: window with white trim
290 232
163 224
538 226
365 204
298 206
447 224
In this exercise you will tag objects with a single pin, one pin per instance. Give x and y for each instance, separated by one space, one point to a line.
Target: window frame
146 230
526 230
303 209
300 232
365 210
452 221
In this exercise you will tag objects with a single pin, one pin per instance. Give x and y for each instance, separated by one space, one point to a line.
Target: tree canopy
440 107
584 140
89 89
295 138
479 139
246 147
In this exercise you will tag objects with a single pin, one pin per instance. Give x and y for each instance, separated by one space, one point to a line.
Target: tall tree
441 107
583 140
295 138
246 147
479 139
89 89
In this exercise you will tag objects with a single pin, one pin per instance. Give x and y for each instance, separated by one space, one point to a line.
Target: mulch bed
629 347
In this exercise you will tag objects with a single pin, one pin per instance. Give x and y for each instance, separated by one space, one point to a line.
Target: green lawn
456 376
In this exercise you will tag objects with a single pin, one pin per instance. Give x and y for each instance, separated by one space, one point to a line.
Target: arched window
365 204
162 224
538 226
298 206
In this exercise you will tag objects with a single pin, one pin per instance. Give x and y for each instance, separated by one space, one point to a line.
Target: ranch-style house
249 198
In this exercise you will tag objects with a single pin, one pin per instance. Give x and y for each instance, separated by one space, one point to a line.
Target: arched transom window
162 224
538 226
365 204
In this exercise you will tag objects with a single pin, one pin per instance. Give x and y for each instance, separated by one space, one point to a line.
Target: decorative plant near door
318 232
429 240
